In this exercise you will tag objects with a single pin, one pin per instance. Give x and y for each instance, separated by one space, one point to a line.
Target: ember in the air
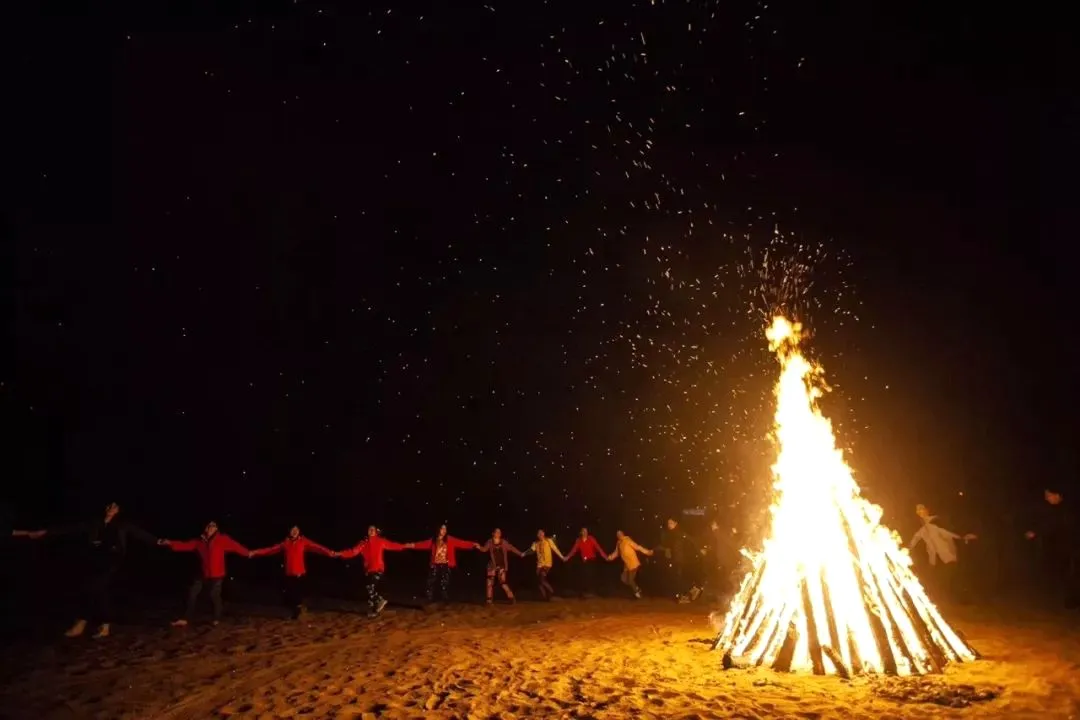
832 589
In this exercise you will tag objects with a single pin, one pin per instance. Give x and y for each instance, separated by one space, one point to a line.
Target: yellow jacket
543 552
627 551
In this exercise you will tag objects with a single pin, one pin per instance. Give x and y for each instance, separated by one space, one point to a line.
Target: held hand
162 541
335 554
970 536
410 546
703 551
1030 535
251 554
36 534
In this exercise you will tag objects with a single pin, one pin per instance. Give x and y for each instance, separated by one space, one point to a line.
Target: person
721 546
681 555
371 550
294 547
1055 531
544 547
626 549
443 549
498 551
588 549
940 546
107 543
212 547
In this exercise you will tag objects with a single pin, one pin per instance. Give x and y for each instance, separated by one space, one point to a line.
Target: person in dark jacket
212 546
1054 528
680 553
107 542
294 547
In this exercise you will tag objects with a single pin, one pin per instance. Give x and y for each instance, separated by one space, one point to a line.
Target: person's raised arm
139 534
391 545
457 544
426 544
355 550
317 548
231 546
180 545
266 551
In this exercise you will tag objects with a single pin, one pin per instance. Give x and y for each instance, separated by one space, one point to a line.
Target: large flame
832 589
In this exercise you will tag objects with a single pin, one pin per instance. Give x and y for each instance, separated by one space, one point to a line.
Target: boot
77 629
102 631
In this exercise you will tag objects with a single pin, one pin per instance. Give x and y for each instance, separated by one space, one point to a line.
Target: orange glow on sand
831 591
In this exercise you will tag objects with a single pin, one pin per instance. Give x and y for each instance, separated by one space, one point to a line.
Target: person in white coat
941 551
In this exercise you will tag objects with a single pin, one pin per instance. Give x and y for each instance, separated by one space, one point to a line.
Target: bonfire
831 590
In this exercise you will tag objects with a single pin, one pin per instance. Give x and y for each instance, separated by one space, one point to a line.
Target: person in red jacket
443 561
371 550
588 548
294 546
212 547
498 551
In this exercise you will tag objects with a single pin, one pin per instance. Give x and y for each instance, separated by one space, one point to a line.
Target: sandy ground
573 659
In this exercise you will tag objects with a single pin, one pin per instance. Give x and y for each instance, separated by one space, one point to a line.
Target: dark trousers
438 580
373 596
629 579
99 595
293 592
586 576
546 591
215 596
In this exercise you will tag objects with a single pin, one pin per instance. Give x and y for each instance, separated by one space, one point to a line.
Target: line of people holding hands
108 536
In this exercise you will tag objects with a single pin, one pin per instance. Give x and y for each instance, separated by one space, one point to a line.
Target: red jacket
589 549
211 552
371 550
452 544
294 553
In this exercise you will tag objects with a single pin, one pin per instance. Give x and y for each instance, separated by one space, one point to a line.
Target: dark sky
507 263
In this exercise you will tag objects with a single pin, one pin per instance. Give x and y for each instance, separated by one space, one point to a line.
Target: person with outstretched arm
681 554
212 547
371 549
498 551
443 549
626 550
588 551
294 547
544 547
941 553
106 547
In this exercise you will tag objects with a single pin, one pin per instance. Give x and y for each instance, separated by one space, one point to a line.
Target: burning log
831 581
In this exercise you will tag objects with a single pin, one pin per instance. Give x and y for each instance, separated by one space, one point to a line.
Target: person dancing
107 542
498 551
294 547
627 550
588 549
544 547
443 561
371 550
212 547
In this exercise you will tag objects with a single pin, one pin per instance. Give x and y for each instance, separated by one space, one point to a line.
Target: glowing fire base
832 590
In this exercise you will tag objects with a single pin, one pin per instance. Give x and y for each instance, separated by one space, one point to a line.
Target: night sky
510 263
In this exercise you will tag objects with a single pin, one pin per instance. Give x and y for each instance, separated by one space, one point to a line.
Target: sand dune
593 659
